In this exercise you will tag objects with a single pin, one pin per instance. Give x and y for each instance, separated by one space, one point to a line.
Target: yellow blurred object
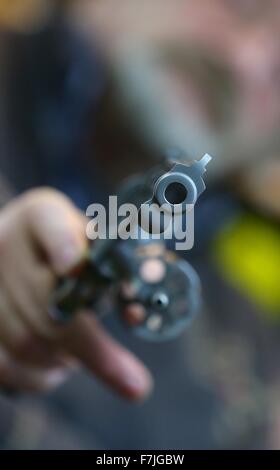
24 15
248 254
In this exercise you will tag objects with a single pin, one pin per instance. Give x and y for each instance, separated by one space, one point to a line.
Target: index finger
88 341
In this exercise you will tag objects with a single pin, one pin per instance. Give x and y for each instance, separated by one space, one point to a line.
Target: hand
42 236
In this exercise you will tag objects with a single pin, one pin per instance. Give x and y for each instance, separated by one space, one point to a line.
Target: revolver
155 292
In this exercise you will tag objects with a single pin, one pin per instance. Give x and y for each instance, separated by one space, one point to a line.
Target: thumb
58 227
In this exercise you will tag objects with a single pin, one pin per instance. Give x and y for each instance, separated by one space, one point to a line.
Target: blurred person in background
86 86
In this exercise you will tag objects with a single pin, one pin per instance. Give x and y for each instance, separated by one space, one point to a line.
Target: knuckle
47 204
43 196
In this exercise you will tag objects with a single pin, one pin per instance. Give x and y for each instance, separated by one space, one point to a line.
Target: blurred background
93 91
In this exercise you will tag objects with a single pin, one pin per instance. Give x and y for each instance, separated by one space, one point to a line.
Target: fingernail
139 386
67 258
57 377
